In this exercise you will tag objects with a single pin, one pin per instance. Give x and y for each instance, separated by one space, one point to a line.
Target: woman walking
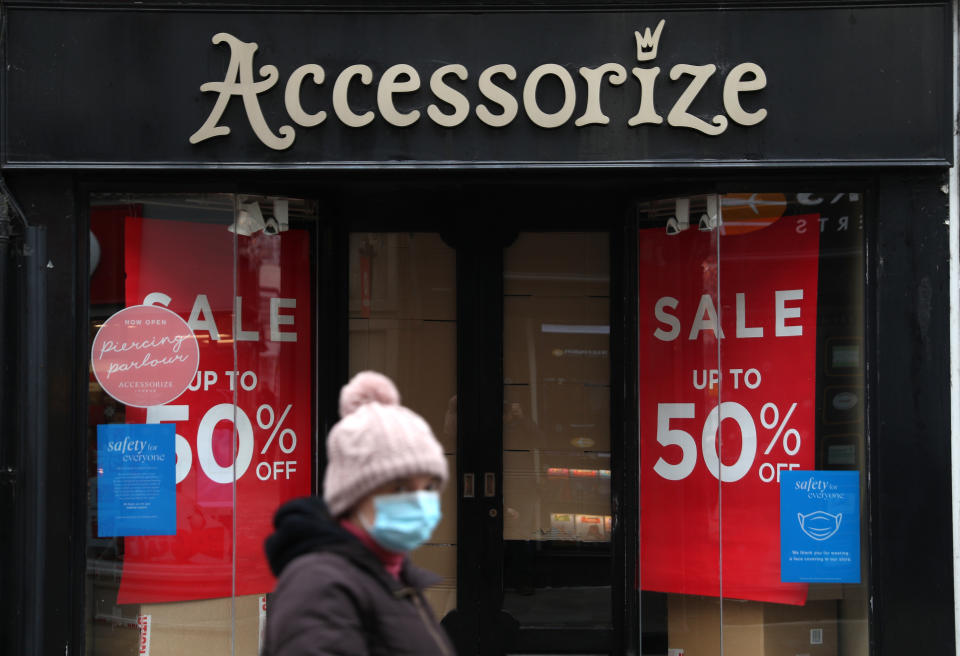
344 582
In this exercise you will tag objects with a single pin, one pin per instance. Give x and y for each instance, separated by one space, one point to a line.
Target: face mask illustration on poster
820 525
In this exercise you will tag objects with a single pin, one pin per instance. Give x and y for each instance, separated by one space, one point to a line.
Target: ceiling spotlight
281 212
249 220
279 222
711 219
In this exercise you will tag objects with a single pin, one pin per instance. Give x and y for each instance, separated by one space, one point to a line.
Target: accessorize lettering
497 85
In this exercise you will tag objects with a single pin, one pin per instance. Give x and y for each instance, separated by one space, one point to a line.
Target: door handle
468 486
489 484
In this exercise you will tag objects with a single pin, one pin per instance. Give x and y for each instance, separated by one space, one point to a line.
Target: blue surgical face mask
404 521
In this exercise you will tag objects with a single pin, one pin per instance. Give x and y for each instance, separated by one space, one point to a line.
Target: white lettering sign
706 318
497 84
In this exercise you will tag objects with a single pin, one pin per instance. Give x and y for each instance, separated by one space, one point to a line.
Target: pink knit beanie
376 441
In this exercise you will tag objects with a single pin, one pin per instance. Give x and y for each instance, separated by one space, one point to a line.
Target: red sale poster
727 383
245 417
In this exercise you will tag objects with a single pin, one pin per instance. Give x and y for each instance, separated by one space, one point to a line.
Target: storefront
670 283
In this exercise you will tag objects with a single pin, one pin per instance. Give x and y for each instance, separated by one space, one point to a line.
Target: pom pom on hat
367 387
376 441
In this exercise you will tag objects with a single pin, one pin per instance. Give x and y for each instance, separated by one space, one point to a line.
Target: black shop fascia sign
332 89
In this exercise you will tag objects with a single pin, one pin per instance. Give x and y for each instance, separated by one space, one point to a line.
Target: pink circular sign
145 355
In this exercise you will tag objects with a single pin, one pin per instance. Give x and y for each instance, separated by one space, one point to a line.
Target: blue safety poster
820 526
136 480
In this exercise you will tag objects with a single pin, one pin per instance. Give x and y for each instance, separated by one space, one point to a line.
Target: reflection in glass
557 522
403 323
823 241
679 365
751 383
242 427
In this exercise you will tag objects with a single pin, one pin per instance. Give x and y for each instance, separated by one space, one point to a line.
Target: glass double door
502 342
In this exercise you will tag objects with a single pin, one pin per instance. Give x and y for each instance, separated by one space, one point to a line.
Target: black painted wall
49 390
909 421
92 87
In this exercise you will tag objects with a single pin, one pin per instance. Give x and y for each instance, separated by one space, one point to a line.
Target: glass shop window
403 322
200 414
557 521
752 436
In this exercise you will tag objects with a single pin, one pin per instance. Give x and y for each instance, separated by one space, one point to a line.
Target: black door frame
479 229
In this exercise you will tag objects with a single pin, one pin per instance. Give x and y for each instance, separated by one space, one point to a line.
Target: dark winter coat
334 597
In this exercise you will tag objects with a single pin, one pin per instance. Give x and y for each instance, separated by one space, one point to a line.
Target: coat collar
304 526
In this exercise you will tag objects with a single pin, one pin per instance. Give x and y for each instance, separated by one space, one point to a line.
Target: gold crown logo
647 43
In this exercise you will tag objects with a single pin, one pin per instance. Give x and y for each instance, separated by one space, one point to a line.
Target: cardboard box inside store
751 627
582 259
446 531
202 627
536 348
412 276
441 559
114 626
420 357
